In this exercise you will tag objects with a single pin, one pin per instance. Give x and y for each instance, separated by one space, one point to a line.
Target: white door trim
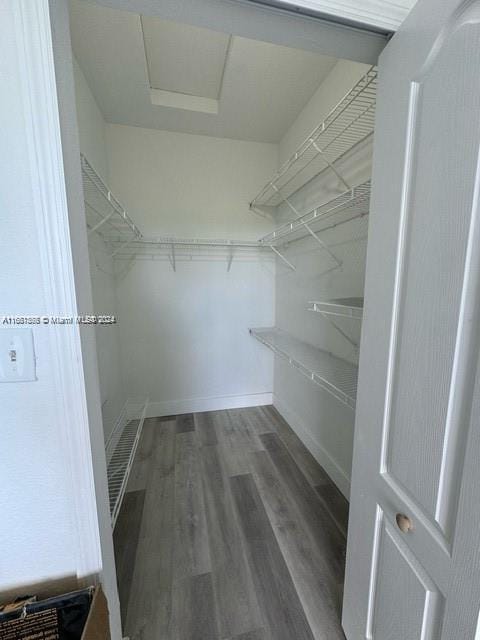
78 409
386 15
34 38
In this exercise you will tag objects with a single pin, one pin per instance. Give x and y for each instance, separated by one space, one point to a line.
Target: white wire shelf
349 123
176 250
351 204
333 374
153 244
344 307
121 459
105 215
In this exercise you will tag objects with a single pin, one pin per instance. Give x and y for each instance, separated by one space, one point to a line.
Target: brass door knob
404 523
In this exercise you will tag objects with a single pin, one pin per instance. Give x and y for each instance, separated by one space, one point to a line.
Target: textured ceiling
261 87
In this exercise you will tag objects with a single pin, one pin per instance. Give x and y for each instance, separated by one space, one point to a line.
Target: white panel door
413 561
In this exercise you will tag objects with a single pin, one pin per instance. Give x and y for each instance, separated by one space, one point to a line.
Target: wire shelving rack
120 459
175 250
105 214
333 374
124 240
349 123
351 204
343 307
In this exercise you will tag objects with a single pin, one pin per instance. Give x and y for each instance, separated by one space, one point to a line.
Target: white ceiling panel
184 58
264 85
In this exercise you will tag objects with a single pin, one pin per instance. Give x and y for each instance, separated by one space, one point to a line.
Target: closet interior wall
91 128
323 423
184 331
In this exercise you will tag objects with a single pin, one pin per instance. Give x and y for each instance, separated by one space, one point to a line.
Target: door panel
417 434
432 271
406 595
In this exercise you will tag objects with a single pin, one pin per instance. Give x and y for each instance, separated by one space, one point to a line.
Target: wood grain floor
229 530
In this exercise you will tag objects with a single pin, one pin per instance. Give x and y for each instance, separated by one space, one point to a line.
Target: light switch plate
17 355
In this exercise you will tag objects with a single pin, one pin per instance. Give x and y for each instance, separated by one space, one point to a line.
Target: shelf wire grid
120 464
335 375
104 213
349 205
349 123
342 307
187 249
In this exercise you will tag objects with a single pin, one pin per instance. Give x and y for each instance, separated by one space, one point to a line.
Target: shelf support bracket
122 246
230 260
286 200
101 223
277 252
340 331
264 212
171 258
322 244
330 165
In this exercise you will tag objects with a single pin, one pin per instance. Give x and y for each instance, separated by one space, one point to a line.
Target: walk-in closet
239 346
227 185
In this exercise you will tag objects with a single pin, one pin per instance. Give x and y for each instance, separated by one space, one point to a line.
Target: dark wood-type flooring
229 530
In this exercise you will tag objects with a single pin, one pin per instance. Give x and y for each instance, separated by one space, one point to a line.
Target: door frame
43 44
43 37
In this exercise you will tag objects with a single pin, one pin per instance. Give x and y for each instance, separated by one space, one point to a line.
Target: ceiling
157 74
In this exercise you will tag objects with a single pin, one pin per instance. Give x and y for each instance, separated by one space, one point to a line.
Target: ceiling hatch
185 64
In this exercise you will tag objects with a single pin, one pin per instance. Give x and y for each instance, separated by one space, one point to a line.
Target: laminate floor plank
192 554
314 473
237 439
240 534
313 579
259 421
336 504
321 525
139 472
185 423
236 602
163 454
278 599
257 634
194 615
150 604
242 431
125 541
205 428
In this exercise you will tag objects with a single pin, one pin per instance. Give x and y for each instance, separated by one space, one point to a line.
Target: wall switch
17 355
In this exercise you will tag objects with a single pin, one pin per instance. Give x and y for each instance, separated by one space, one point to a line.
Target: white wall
54 495
91 128
34 475
179 184
185 338
338 82
184 335
324 424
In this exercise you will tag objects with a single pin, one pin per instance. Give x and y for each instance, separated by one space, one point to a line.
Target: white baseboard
336 473
196 405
